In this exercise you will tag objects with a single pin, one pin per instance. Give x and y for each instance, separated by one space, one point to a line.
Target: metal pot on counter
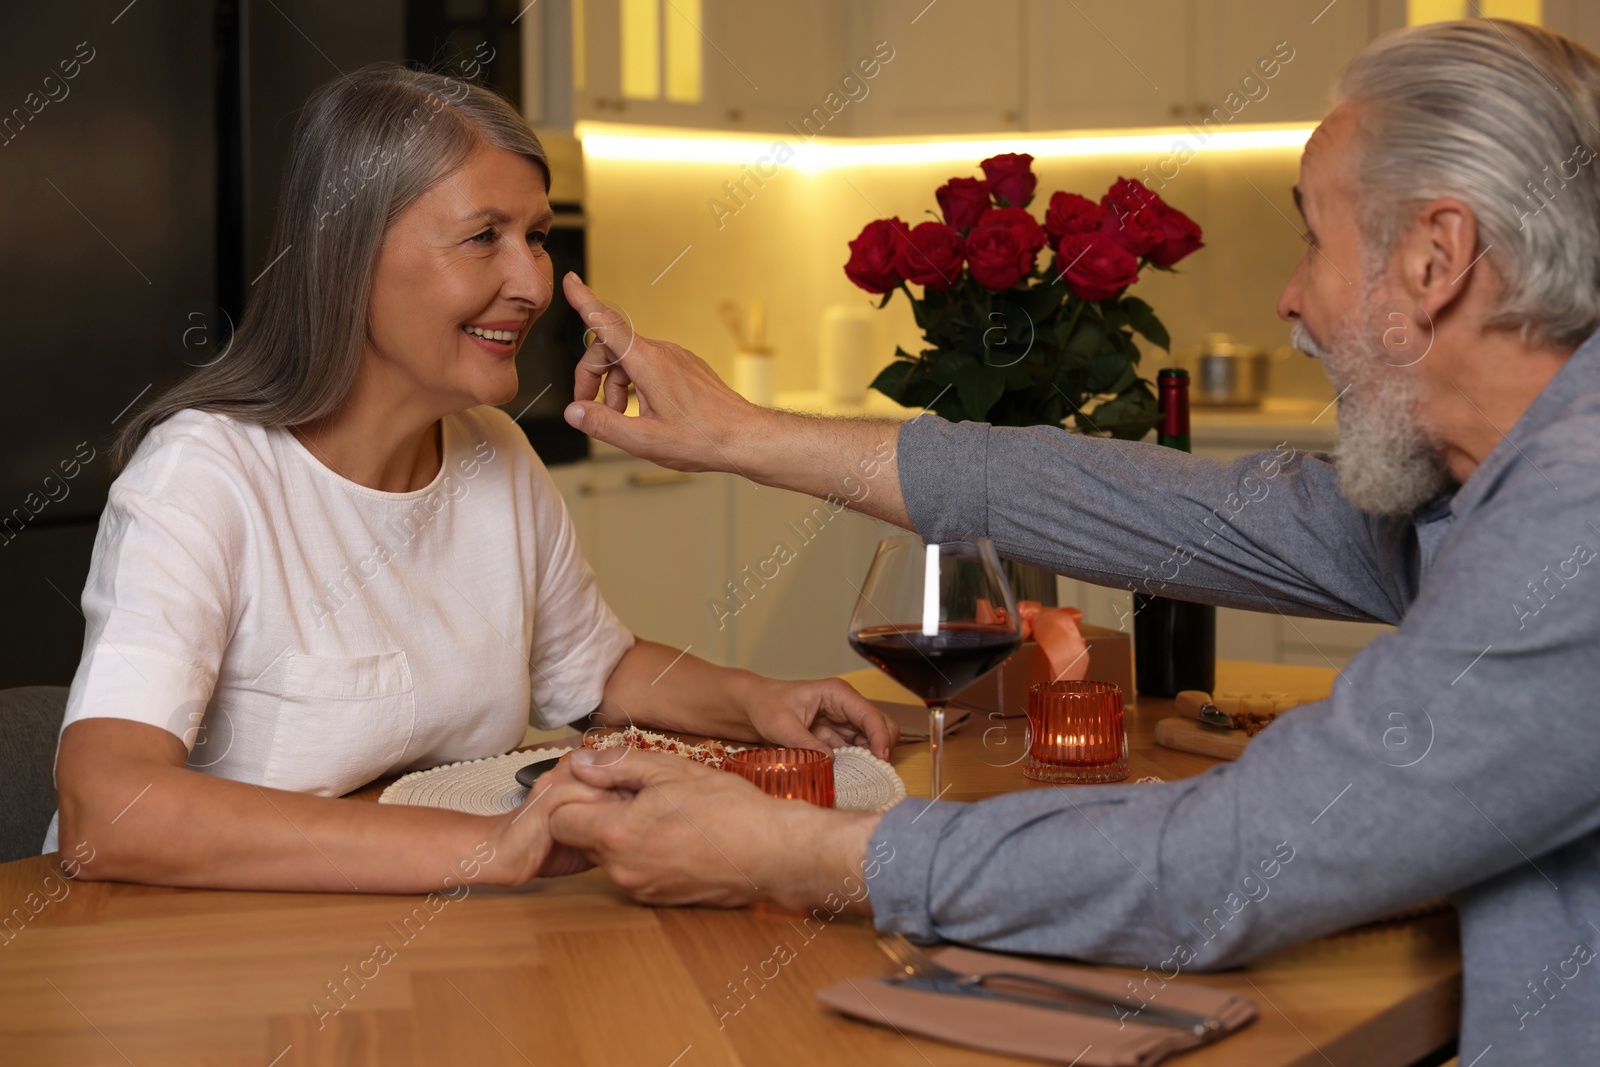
1228 374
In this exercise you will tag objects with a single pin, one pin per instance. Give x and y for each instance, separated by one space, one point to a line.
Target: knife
955 987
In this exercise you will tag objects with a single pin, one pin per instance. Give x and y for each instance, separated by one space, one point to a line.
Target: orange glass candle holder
1077 733
787 773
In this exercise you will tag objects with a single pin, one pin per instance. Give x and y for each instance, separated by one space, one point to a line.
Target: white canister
752 376
846 357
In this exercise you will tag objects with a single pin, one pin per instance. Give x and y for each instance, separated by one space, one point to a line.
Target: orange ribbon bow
1063 651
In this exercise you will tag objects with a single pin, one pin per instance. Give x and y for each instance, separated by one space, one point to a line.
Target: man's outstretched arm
1267 532
689 420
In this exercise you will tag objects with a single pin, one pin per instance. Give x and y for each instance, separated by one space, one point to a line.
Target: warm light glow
644 144
683 51
1520 10
1419 12
641 49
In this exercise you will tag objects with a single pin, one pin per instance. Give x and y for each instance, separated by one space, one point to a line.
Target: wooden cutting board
1187 735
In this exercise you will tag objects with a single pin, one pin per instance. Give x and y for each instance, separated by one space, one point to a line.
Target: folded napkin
1041 1033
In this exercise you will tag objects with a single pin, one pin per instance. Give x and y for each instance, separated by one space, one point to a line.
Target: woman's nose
528 278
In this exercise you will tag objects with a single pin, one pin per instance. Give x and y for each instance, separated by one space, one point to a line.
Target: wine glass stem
936 748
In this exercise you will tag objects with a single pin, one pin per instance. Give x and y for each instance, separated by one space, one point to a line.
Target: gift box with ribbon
1056 646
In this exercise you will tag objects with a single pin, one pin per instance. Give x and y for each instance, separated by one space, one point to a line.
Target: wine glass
935 617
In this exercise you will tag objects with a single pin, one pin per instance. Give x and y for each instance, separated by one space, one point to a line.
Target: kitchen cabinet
795 571
1108 63
956 66
1301 44
1206 63
710 64
740 574
961 66
657 540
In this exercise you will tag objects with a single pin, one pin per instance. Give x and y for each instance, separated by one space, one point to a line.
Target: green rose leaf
979 386
895 379
1142 317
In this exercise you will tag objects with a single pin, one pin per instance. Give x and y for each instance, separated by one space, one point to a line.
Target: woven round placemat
489 786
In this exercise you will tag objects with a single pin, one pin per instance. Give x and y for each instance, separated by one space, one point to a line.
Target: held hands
688 418
523 839
679 832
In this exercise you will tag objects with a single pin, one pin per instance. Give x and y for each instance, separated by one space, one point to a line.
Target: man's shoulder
1573 435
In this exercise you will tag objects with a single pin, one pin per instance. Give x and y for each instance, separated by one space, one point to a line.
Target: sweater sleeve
1268 531
1422 774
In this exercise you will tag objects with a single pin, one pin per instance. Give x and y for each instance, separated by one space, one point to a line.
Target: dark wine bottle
1174 641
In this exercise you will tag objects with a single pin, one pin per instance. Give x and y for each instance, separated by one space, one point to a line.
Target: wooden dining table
570 971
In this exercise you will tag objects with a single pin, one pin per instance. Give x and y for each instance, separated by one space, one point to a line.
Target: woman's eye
537 238
484 238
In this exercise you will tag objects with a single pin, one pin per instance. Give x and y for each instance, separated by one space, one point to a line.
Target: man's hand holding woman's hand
524 848
682 833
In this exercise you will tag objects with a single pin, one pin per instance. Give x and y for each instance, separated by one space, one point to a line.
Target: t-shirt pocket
342 721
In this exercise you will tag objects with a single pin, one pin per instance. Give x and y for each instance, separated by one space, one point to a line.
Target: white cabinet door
1271 60
955 68
657 540
1108 63
783 68
795 570
644 61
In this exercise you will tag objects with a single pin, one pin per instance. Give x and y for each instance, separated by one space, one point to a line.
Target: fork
914 963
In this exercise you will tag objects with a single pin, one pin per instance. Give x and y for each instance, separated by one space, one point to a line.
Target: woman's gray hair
367 145
1504 116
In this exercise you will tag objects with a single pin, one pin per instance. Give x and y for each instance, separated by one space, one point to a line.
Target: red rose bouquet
1017 339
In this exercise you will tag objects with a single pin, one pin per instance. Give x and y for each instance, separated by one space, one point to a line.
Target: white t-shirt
301 631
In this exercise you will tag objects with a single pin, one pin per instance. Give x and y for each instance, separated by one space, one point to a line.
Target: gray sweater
1459 755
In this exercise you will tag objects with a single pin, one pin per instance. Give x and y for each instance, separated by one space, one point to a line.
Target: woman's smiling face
466 260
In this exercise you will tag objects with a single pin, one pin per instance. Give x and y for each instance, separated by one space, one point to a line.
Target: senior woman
328 557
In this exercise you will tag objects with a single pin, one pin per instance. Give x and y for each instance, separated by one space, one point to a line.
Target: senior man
1463 504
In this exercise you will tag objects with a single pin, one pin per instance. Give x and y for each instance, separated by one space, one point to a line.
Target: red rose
1011 178
1132 191
1133 226
1027 230
1096 267
872 255
1182 237
1071 213
930 255
996 258
962 200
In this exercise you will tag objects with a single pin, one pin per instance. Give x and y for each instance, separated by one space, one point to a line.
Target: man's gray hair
1506 117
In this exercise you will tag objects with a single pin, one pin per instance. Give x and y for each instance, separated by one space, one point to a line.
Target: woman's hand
823 714
522 837
658 686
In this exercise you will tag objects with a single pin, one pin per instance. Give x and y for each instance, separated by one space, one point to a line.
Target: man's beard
1387 463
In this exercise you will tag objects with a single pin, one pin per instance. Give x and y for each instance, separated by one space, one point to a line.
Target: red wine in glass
939 666
935 618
